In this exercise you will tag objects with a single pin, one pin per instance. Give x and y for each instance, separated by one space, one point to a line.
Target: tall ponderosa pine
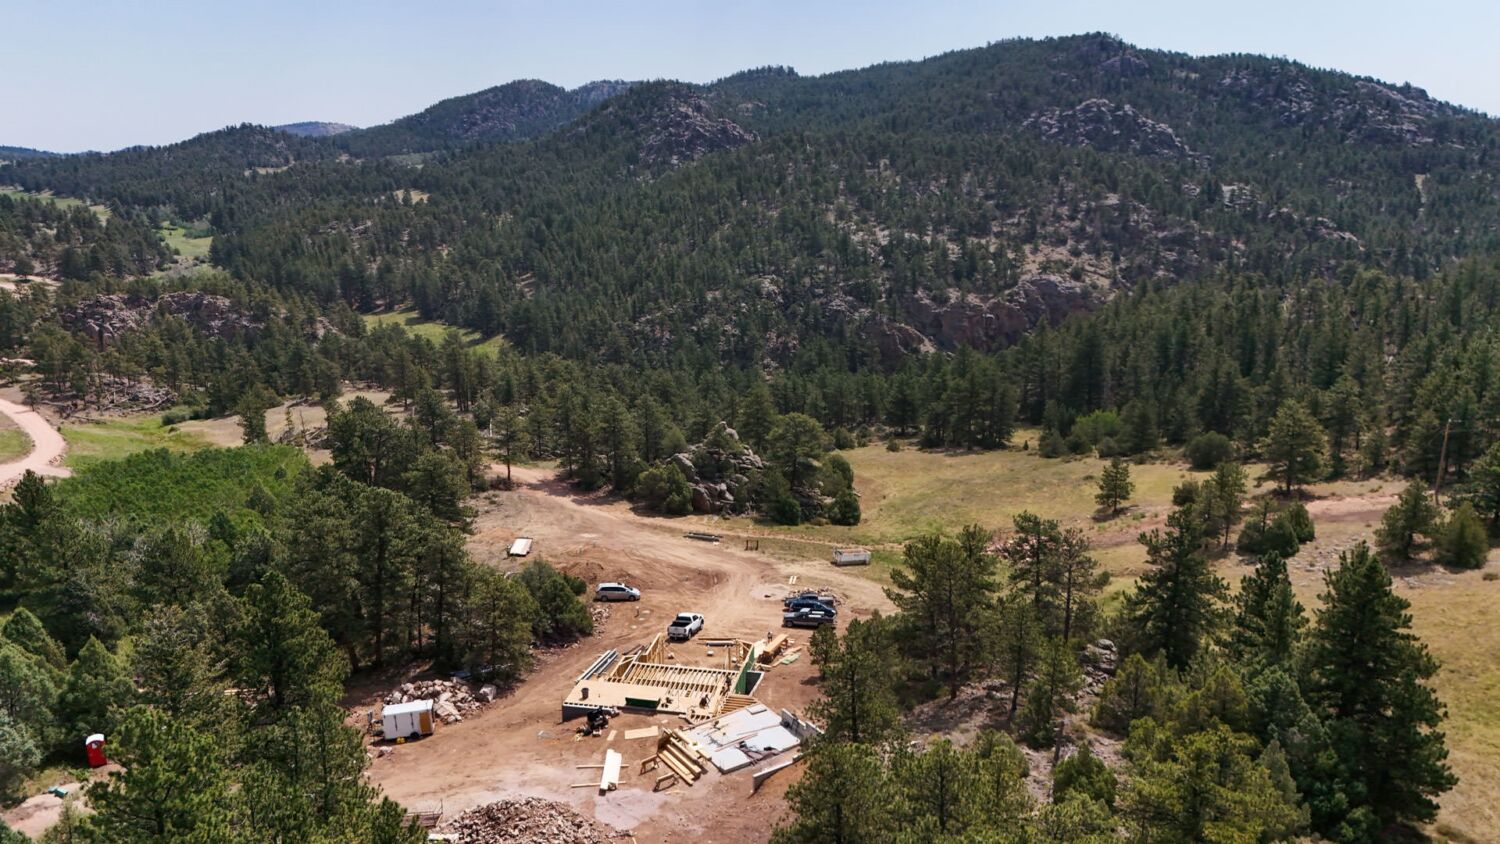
1369 676
1268 621
1294 447
945 589
1175 608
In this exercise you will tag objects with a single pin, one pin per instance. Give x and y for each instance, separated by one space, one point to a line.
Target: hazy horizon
88 82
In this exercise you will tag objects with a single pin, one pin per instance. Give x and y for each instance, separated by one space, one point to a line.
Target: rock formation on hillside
106 317
1107 127
686 130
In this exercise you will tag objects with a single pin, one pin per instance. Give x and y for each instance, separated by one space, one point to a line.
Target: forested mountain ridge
960 200
514 111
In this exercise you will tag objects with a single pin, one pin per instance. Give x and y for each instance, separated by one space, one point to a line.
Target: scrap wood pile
529 820
452 699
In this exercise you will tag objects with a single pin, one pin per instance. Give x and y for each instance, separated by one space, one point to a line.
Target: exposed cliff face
685 129
1107 127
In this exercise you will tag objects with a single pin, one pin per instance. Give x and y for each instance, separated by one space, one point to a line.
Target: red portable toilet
94 745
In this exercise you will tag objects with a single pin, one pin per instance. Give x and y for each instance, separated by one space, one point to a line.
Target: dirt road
47 445
520 745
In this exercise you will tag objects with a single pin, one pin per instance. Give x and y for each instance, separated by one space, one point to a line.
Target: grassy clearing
112 439
189 247
14 444
432 330
911 492
48 196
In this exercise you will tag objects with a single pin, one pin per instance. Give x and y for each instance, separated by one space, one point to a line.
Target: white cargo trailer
406 720
521 547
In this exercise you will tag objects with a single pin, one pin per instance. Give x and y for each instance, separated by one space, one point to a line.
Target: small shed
521 547
406 720
851 557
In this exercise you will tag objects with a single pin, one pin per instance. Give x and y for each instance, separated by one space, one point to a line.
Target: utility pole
1437 483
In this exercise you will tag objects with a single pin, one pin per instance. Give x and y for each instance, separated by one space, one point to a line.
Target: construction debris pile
529 820
452 699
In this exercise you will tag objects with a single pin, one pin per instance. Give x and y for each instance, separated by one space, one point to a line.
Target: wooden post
1437 483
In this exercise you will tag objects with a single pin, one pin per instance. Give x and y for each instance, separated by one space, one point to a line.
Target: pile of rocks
529 820
452 699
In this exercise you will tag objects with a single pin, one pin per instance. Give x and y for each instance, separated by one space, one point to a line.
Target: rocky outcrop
1107 127
719 470
685 129
107 317
1366 111
987 322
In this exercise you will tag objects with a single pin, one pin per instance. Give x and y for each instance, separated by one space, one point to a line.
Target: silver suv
616 592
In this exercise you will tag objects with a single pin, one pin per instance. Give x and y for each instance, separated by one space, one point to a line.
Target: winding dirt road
47 446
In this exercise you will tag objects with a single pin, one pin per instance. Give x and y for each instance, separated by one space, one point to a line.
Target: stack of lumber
679 757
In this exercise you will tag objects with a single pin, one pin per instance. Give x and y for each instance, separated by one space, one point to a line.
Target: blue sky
101 74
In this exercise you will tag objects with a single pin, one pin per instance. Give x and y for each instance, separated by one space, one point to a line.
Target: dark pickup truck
807 618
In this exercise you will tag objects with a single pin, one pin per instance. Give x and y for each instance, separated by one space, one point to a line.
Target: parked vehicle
807 618
685 626
826 599
520 548
616 592
810 604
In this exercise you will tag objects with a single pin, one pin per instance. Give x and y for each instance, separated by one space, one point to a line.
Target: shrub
1052 444
785 511
893 445
845 508
1300 522
1107 447
1463 542
843 440
1207 451
665 488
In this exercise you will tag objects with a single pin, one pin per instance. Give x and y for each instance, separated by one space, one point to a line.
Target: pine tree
1084 774
1138 690
97 686
842 797
1206 786
282 653
175 785
1115 486
1223 497
24 630
511 438
1268 620
1050 695
1411 516
1483 487
859 701
1294 447
1369 676
945 587
1175 607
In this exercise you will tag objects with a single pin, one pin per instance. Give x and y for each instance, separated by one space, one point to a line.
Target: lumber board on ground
610 778
644 732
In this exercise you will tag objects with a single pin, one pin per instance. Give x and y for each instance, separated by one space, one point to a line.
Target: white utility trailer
521 547
406 720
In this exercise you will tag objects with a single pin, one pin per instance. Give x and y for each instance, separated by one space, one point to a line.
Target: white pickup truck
685 626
